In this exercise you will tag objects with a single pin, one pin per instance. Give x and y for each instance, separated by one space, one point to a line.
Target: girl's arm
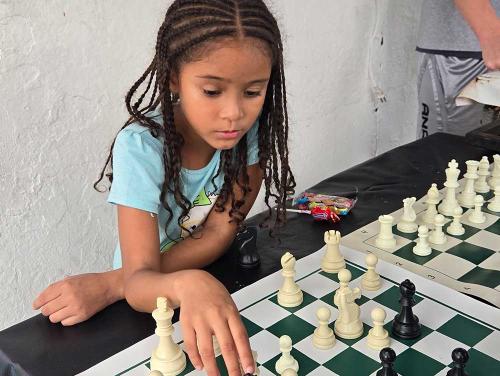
481 17
206 306
215 236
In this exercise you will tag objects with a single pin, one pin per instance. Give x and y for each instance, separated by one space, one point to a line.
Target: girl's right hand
207 309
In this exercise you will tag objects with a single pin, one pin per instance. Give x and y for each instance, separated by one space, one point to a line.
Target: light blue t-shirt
138 176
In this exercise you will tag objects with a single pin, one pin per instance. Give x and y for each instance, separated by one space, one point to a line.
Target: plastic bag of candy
323 207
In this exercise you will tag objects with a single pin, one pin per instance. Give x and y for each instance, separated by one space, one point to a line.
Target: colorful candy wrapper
323 207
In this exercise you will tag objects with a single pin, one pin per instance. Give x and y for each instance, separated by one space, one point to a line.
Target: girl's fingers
60 315
190 346
53 306
72 320
240 337
228 349
50 293
206 349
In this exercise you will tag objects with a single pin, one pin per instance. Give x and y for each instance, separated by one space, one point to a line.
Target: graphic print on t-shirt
202 205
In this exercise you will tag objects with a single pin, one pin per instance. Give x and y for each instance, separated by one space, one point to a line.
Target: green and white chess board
449 320
469 263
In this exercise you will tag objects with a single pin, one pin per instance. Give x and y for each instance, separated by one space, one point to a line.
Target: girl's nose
232 110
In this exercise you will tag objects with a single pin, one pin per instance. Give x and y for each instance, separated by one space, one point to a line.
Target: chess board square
318 285
470 252
442 263
424 332
322 371
351 342
265 372
469 231
251 327
321 356
390 298
265 313
410 236
367 311
351 362
355 272
490 219
308 299
400 242
490 345
487 196
438 346
414 363
308 313
464 330
384 286
362 347
450 242
306 364
433 314
292 326
492 262
480 276
406 252
486 210
480 364
487 240
266 345
495 228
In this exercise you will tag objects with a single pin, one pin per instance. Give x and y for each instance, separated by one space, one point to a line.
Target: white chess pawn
477 216
422 248
385 239
290 294
323 336
332 261
432 200
495 174
286 360
289 372
407 223
438 236
371 280
494 204
481 186
167 358
155 373
456 228
378 337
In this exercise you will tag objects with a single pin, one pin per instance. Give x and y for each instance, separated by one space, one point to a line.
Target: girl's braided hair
189 26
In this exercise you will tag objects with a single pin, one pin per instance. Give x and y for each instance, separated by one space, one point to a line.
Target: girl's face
222 93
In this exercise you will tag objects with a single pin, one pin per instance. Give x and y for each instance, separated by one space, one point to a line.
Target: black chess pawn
246 244
460 357
405 324
387 357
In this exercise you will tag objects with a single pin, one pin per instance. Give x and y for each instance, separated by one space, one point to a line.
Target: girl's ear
174 83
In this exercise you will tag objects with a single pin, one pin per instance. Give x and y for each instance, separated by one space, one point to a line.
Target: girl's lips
228 134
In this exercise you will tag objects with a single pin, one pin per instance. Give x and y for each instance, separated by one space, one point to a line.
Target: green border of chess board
367 365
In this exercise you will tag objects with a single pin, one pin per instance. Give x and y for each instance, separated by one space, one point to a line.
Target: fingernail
249 370
198 367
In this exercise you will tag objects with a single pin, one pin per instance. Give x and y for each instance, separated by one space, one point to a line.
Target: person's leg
430 97
455 73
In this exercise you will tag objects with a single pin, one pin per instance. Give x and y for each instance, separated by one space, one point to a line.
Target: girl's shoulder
137 135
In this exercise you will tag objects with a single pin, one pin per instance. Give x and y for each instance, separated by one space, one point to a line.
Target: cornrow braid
188 28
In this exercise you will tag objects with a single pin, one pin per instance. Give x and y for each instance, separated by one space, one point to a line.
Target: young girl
208 126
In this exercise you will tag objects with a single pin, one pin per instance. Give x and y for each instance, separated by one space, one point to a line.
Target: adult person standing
458 41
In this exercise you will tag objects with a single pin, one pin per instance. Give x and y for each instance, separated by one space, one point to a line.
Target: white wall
64 70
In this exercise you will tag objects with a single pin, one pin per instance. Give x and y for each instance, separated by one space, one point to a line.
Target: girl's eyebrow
210 77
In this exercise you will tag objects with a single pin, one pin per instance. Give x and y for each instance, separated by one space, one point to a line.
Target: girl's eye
211 93
250 93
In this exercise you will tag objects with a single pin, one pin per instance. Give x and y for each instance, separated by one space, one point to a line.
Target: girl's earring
174 97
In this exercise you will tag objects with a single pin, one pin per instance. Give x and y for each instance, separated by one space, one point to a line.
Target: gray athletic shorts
440 79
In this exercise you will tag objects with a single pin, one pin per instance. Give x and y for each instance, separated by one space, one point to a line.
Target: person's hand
207 309
75 299
490 45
